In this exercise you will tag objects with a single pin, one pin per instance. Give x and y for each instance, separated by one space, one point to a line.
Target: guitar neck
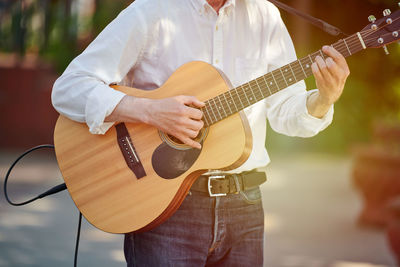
245 95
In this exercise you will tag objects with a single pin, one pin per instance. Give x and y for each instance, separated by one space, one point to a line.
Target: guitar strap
332 30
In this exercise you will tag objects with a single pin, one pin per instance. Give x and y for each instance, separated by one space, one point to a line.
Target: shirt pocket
248 69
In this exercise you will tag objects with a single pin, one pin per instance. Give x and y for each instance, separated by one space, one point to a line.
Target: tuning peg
386 50
371 18
386 12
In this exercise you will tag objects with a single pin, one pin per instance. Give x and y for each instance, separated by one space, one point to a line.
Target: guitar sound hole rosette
174 142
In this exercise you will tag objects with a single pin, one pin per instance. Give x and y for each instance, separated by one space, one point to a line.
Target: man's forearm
129 109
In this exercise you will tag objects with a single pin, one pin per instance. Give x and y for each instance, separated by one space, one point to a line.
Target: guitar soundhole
178 144
174 139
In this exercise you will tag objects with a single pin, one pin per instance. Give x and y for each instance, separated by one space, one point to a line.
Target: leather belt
223 184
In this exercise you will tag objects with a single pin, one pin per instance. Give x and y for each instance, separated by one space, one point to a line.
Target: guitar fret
205 114
348 49
270 93
276 84
212 110
291 69
218 107
340 48
322 54
301 65
284 77
237 93
222 105
252 91
230 93
311 61
261 91
245 94
229 106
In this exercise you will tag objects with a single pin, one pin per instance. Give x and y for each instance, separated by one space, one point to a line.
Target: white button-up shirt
150 39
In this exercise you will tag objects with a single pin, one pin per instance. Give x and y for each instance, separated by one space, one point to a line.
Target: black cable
53 190
78 234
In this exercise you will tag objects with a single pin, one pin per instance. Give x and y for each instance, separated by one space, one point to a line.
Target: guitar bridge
128 151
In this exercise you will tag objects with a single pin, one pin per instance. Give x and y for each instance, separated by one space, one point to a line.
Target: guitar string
281 78
241 95
339 46
245 91
297 69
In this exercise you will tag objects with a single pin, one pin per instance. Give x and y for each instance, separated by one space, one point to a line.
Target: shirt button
216 28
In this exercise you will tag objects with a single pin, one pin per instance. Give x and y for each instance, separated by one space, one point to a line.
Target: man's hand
178 116
330 75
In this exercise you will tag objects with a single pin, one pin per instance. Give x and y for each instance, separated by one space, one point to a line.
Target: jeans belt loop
235 178
209 186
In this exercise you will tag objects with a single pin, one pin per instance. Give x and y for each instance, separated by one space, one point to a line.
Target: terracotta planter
393 227
376 173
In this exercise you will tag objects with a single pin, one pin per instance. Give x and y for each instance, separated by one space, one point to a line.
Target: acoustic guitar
135 177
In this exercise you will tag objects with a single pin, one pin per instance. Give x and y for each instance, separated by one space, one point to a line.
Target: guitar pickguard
170 163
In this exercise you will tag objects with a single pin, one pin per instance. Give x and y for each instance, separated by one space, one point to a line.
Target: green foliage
50 27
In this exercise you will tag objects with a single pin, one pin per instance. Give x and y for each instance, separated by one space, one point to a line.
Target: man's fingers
194 113
337 57
195 125
190 142
323 68
191 133
316 72
192 101
334 69
192 105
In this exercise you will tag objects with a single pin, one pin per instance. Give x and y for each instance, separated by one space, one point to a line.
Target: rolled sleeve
82 92
288 114
312 125
100 103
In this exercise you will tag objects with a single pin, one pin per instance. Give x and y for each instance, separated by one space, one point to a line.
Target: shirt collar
201 5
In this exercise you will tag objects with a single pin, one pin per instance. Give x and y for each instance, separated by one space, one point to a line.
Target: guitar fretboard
237 99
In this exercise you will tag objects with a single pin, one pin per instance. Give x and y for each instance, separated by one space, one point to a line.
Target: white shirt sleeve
82 92
286 110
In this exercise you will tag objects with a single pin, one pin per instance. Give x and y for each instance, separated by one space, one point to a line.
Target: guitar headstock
383 31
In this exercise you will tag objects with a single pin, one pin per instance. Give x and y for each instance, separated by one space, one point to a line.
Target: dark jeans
204 231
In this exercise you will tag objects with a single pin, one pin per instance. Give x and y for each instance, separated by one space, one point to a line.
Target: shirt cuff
314 124
101 103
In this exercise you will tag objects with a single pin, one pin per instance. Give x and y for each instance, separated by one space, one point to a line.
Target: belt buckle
209 186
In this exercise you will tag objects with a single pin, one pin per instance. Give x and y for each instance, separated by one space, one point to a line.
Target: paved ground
311 210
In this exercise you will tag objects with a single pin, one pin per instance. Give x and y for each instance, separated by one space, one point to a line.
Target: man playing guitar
141 48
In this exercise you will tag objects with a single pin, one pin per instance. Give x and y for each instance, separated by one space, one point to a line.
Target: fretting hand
330 76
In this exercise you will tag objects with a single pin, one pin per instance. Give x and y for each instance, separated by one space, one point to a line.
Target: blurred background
331 200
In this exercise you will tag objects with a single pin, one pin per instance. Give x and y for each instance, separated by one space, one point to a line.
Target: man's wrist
317 106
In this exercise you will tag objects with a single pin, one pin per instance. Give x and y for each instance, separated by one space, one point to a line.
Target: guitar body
105 189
